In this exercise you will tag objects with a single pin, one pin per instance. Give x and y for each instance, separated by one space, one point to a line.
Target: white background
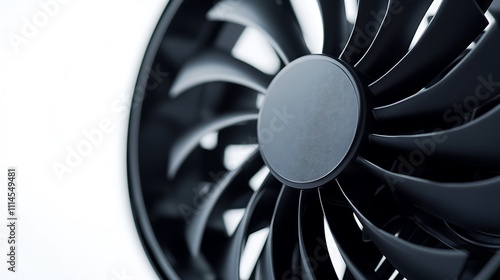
62 78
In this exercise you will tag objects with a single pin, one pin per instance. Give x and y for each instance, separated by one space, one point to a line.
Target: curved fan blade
335 27
370 14
347 235
484 4
314 256
494 6
259 210
472 143
394 37
462 21
474 80
233 256
492 269
276 21
214 66
186 143
283 234
412 260
264 269
231 186
473 205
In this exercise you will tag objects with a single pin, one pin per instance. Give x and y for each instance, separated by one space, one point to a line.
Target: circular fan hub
309 123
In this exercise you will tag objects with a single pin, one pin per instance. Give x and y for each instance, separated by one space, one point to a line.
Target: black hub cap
309 124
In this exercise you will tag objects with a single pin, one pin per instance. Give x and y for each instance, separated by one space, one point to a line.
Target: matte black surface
370 16
186 143
335 26
283 236
226 188
312 241
468 80
214 66
273 18
465 144
260 208
394 37
309 121
467 204
414 261
456 24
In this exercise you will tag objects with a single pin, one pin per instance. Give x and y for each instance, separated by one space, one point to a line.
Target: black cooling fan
375 157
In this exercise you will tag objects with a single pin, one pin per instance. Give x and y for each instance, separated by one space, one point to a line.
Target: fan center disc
308 124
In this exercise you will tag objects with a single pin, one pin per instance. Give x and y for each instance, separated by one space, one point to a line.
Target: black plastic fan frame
377 159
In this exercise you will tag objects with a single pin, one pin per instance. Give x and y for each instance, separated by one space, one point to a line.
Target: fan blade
335 29
264 270
259 210
494 6
215 66
370 15
232 257
484 4
412 260
462 21
473 78
394 37
283 234
230 186
492 269
272 18
314 256
347 235
472 205
474 143
188 142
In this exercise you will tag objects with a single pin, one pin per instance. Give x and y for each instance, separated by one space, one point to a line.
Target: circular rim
146 234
